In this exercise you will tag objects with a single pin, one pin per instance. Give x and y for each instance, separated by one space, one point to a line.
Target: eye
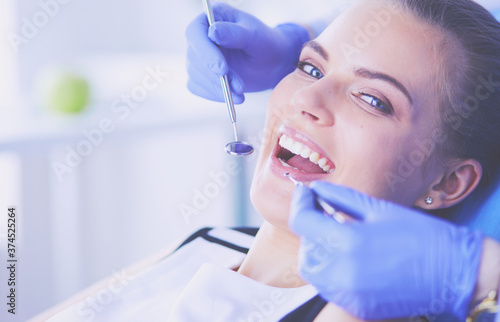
310 69
376 103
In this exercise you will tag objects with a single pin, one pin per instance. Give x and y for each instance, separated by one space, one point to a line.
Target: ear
454 186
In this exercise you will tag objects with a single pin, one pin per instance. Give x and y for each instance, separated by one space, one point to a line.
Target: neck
272 259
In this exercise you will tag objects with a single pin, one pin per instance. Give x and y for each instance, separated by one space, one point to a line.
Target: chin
271 192
271 198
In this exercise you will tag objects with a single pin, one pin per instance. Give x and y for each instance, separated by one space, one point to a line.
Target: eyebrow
317 48
362 72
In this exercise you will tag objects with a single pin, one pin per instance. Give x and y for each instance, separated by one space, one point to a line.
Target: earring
428 200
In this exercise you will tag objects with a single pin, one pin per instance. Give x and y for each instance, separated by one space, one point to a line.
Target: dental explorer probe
237 147
327 208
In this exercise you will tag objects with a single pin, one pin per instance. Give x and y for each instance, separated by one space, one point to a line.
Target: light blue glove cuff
298 33
496 13
298 36
472 249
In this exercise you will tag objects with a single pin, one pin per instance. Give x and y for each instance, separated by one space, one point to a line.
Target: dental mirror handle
223 79
229 102
207 6
327 208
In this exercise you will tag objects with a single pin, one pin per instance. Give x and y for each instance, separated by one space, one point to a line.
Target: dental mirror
239 148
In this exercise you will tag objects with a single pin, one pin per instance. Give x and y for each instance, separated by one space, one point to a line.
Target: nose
312 103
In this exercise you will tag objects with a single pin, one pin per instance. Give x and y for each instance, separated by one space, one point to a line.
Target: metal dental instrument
240 148
327 208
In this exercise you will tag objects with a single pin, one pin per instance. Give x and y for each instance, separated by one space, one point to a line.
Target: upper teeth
305 152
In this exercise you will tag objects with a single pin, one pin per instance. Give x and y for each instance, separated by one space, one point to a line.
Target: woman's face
361 110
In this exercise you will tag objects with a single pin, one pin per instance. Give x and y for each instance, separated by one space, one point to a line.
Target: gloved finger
204 83
206 49
211 94
308 221
229 35
202 75
195 61
201 91
224 12
314 257
347 200
236 84
210 88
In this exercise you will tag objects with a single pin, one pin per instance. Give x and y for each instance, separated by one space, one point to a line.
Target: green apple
66 91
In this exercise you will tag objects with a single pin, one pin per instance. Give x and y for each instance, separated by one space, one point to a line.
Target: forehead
382 36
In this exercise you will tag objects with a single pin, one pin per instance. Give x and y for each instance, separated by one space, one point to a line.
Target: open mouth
301 156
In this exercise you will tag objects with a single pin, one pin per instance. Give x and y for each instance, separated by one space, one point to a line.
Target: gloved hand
390 262
255 57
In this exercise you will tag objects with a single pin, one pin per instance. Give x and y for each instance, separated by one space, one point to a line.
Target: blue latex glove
390 262
496 13
255 57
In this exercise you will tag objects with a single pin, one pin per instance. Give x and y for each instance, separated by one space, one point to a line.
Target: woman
368 98
371 125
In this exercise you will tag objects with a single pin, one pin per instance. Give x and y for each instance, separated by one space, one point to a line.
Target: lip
279 170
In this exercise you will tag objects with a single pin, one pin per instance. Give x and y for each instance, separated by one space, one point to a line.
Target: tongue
304 164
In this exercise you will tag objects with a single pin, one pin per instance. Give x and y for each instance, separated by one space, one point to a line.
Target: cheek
416 170
367 158
269 195
394 169
272 199
372 159
280 106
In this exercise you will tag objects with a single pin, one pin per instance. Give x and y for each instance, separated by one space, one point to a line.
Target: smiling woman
390 94
364 112
397 98
353 118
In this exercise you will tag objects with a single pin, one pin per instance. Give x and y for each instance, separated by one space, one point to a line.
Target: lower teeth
286 164
283 162
289 166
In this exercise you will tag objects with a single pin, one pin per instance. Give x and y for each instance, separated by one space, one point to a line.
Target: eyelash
302 64
386 108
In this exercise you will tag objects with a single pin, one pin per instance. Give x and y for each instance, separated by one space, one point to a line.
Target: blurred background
104 153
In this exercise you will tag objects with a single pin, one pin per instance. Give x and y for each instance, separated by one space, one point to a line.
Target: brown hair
471 89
